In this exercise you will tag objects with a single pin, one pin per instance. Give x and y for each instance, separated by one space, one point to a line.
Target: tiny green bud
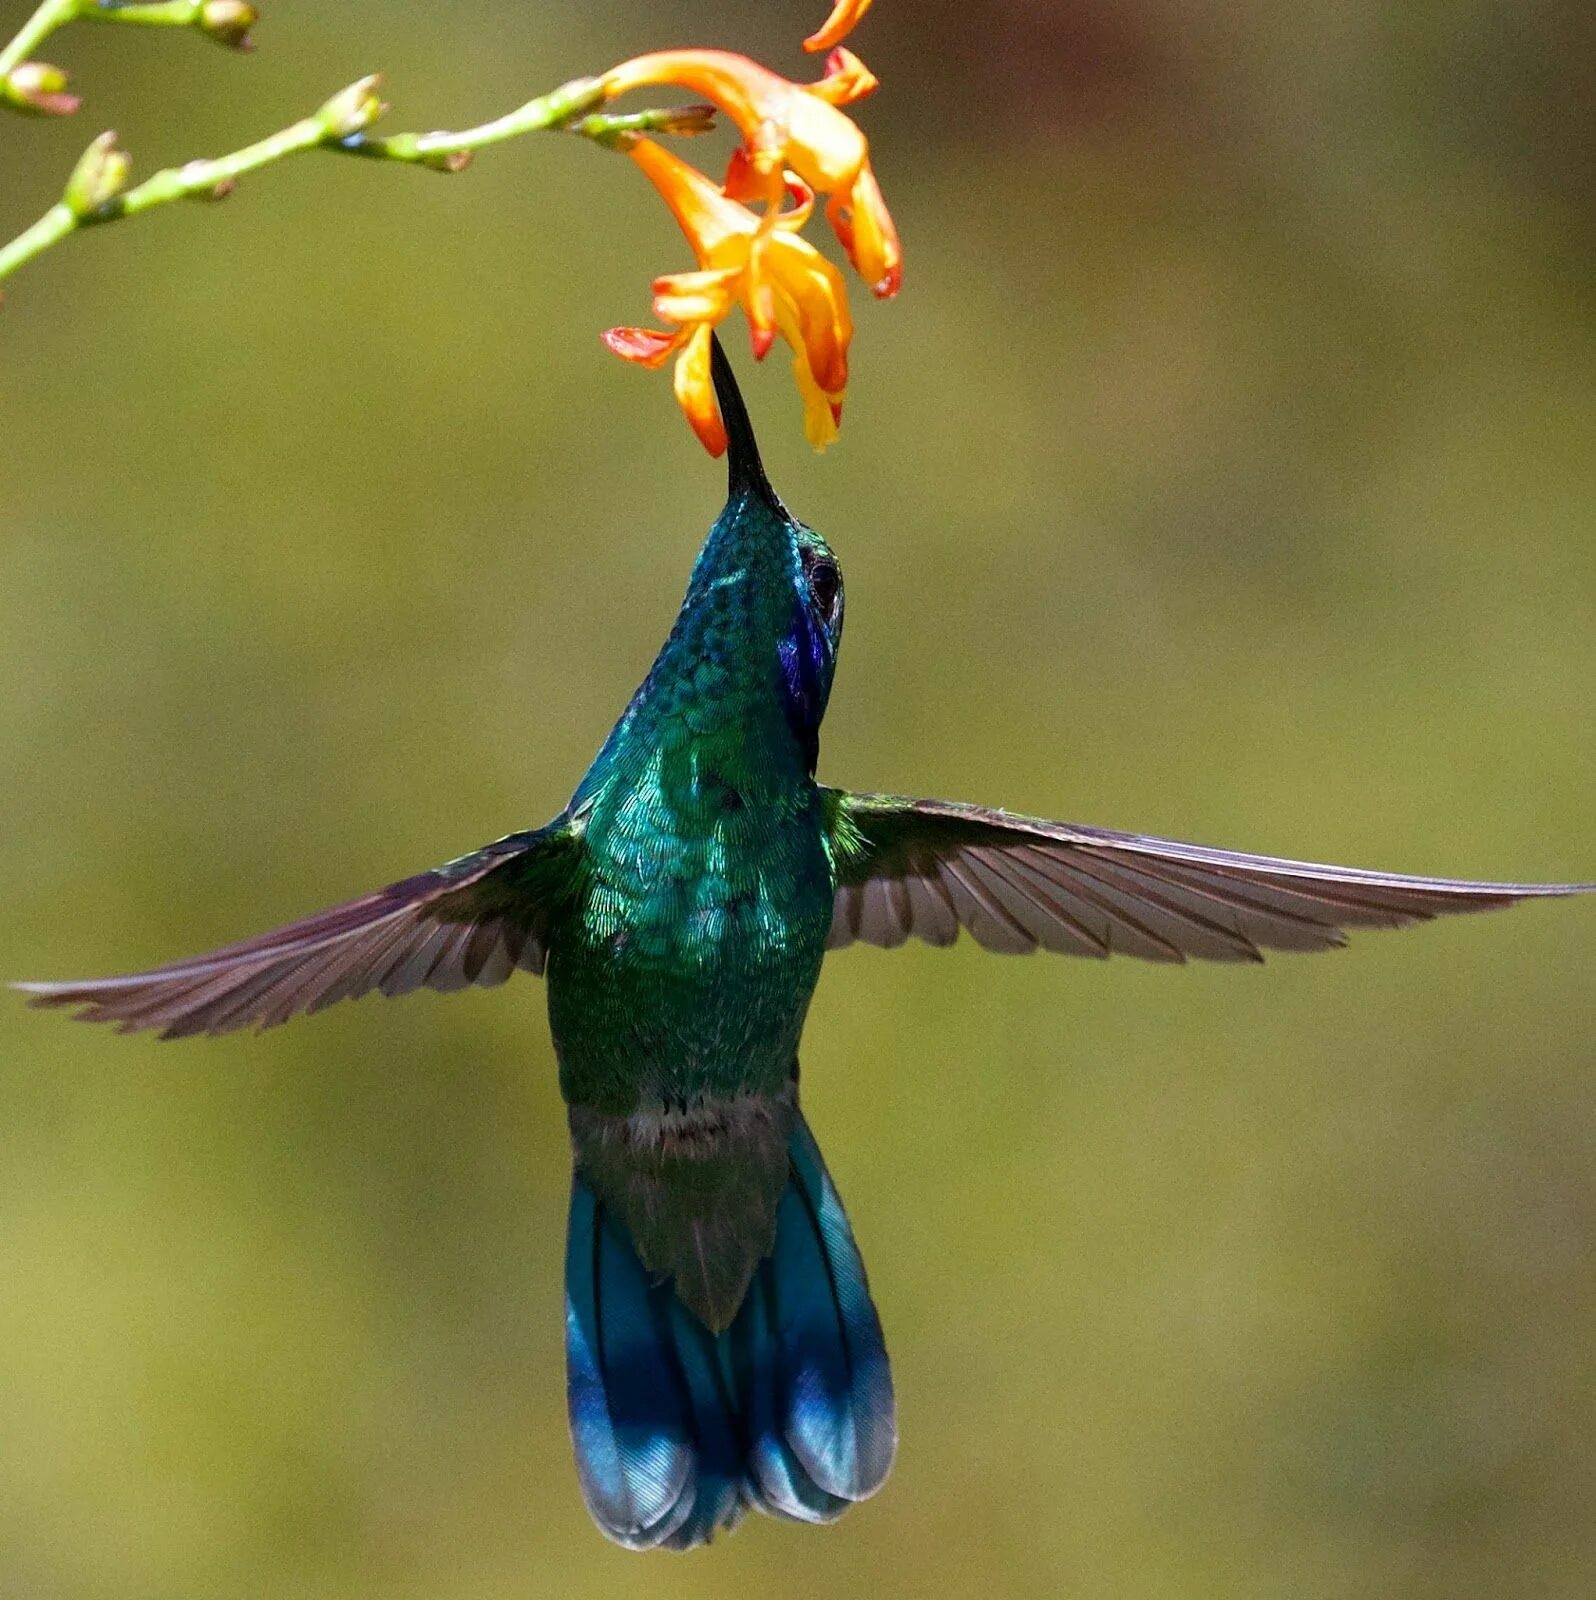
442 160
38 87
352 110
195 173
99 177
228 22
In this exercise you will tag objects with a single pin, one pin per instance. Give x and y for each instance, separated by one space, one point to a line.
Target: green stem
444 150
51 15
226 21
50 229
210 180
165 14
55 14
618 131
339 126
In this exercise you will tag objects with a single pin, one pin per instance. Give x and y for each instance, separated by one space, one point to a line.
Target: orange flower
837 26
782 282
791 126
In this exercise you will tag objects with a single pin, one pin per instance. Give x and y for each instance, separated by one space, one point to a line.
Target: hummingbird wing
926 868
473 920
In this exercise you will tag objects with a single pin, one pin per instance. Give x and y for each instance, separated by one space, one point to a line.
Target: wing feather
925 869
472 921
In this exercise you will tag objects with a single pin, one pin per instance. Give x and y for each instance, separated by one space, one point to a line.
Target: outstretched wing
474 920
926 868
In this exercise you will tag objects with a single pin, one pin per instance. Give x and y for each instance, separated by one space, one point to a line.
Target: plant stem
164 14
51 15
339 126
50 229
551 110
39 89
210 180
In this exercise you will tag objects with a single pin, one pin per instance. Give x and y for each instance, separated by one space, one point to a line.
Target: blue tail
678 1430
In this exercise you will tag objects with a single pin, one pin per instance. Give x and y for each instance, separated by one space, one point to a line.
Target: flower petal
645 346
819 346
695 392
696 296
743 183
759 305
820 410
783 124
803 204
746 184
823 145
815 299
844 15
847 79
708 218
864 227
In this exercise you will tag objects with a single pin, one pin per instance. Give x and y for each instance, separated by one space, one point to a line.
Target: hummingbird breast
678 983
685 968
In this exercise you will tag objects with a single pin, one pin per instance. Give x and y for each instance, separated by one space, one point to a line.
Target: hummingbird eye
825 584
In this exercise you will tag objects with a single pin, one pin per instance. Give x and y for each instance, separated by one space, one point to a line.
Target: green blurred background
1224 470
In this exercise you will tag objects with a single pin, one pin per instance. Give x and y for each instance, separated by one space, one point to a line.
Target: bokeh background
1225 470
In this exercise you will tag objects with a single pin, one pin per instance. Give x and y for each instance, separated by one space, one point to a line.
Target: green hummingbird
723 1351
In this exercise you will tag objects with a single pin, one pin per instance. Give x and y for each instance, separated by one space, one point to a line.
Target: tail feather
832 1389
678 1430
781 1483
717 1431
632 1430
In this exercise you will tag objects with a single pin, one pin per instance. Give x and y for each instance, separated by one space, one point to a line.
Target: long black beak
745 472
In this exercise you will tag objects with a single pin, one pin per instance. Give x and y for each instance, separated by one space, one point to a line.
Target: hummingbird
723 1351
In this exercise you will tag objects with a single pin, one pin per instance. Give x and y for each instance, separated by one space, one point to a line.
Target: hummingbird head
738 689
765 602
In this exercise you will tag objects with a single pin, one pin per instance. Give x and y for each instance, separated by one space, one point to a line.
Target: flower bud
687 122
38 87
194 172
444 160
352 110
228 22
99 177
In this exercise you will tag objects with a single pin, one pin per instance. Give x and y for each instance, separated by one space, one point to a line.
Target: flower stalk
339 126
